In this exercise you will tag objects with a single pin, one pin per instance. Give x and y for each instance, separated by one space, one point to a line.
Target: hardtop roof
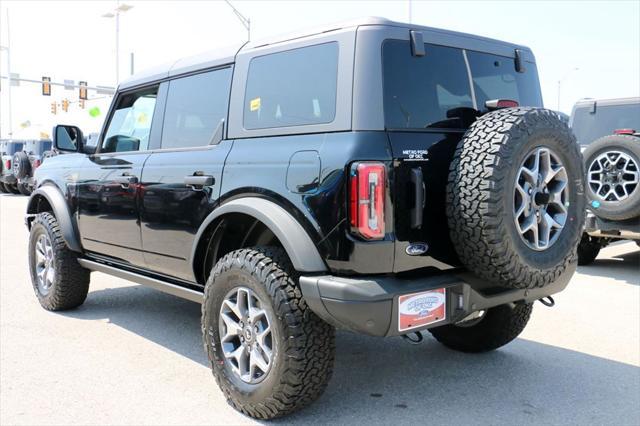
226 55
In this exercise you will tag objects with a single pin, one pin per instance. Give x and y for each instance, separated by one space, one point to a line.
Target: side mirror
67 138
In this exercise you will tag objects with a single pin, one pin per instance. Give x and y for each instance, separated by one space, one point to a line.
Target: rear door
109 181
182 178
429 102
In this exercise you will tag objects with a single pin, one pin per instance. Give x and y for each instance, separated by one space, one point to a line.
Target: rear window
12 147
589 126
422 91
292 88
495 77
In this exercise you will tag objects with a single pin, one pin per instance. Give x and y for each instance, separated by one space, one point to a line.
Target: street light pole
561 80
120 8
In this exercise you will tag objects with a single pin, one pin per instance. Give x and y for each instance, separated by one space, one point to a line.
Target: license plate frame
419 309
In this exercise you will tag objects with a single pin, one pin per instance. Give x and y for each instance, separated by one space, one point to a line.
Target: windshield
588 126
427 91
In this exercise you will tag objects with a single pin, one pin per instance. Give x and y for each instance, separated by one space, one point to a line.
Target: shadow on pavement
624 267
385 381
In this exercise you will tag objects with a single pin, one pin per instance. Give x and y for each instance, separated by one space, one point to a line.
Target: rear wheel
3 188
588 249
270 354
494 328
12 187
515 198
24 189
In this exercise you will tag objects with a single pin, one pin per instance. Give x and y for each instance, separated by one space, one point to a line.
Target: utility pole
8 49
246 22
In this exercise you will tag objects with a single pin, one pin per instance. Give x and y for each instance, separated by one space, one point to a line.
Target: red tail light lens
36 164
624 131
366 199
7 164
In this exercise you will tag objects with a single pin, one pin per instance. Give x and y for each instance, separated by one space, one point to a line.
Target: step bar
163 286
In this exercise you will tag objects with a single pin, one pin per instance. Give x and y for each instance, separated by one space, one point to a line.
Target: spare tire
515 198
613 177
21 165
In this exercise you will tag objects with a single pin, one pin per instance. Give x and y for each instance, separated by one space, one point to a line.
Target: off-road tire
497 327
588 250
628 208
12 187
480 194
21 167
3 188
23 188
304 352
71 283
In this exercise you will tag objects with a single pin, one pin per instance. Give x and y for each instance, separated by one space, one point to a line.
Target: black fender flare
60 210
296 241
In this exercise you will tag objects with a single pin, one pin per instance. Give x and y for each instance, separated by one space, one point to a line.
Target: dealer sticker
419 309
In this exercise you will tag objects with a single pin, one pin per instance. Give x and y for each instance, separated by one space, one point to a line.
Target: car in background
8 182
25 162
608 131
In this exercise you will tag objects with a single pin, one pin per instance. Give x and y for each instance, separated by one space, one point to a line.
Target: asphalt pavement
131 355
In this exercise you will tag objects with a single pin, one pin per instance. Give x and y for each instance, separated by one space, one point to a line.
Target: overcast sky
70 40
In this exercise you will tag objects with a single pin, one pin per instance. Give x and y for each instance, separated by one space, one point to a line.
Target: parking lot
131 355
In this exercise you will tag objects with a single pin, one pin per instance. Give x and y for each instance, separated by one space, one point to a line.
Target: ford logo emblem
416 249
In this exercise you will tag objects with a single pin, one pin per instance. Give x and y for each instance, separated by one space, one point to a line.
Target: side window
195 107
130 123
292 88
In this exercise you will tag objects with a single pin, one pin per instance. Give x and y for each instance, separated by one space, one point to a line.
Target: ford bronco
374 176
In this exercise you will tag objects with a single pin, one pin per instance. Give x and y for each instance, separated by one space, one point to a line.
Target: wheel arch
294 239
49 198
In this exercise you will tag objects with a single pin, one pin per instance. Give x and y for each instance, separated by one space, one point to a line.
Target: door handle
126 179
196 180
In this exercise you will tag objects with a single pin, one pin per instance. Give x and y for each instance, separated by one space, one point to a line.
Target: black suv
25 162
374 176
8 182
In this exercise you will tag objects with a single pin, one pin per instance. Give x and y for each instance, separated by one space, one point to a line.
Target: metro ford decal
419 309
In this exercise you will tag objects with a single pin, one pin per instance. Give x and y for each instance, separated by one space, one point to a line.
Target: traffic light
65 105
81 103
46 86
83 90
54 108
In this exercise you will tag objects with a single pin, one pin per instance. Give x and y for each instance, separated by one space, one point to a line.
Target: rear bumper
623 229
369 305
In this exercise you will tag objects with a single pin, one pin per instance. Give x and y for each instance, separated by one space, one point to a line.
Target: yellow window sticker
254 104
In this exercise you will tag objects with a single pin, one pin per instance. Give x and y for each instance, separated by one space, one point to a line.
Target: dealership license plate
420 309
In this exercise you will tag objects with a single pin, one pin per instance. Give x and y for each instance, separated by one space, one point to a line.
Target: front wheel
270 354
60 283
494 328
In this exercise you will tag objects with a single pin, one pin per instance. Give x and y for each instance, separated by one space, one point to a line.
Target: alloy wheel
613 176
540 198
245 335
45 269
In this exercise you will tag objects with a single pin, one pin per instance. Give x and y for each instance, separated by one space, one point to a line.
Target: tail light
366 199
36 163
7 164
624 131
